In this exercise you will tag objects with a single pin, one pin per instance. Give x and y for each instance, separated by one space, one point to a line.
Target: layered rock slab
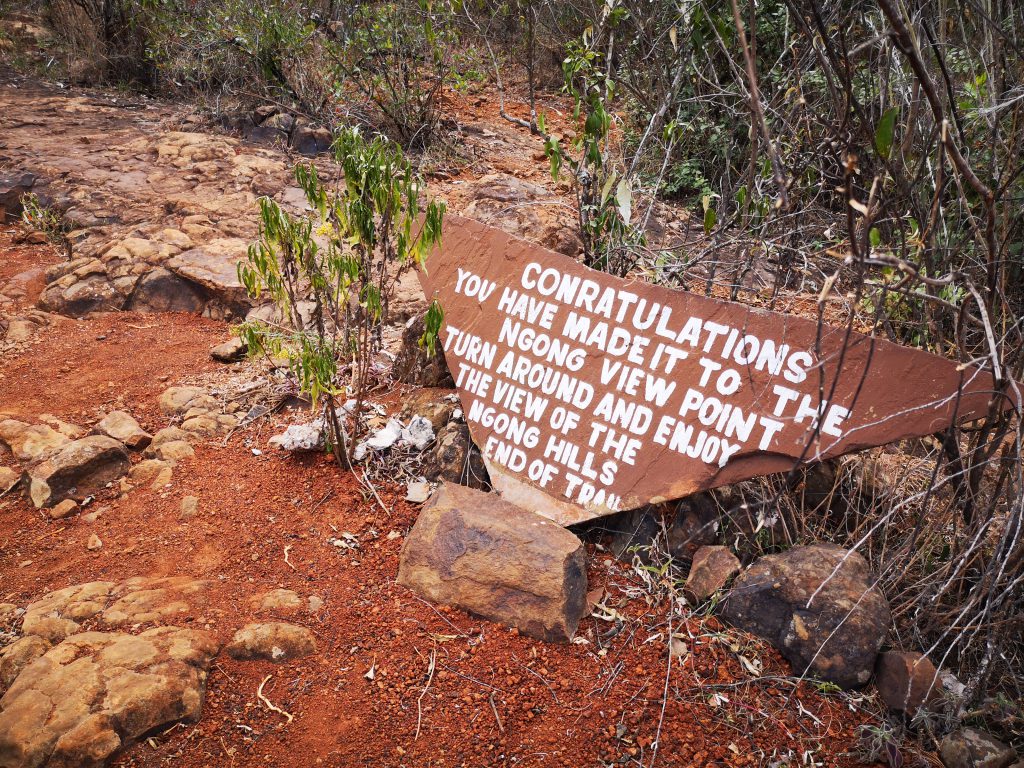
480 553
96 692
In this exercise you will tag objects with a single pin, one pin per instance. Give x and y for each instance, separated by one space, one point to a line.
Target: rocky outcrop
818 606
414 364
523 209
455 458
97 692
79 469
480 553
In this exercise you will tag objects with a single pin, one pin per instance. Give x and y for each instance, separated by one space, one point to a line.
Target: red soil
496 698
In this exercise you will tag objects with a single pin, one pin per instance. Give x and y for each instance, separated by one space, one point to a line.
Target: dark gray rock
817 605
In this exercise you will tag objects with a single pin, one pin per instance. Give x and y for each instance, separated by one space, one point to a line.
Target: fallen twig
419 702
269 703
286 560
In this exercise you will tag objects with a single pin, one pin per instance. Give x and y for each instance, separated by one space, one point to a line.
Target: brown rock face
98 691
477 552
906 680
80 468
836 635
711 570
589 394
414 364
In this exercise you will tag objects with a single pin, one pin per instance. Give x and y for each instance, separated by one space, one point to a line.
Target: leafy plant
331 272
604 192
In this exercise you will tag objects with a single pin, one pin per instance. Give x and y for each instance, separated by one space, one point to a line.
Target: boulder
125 429
818 606
906 680
79 469
692 524
477 552
971 748
31 442
414 364
454 457
310 140
97 692
176 400
711 570
272 641
230 351
77 297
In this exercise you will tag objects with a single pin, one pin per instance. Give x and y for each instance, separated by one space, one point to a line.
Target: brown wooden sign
590 394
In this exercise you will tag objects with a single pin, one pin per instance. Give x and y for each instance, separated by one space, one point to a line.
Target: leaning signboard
589 394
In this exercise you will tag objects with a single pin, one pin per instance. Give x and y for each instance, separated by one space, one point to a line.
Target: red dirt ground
496 698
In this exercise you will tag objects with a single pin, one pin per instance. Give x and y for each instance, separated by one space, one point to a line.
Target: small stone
152 472
906 680
174 451
274 641
66 508
230 351
189 507
712 568
176 400
125 429
94 543
279 601
971 748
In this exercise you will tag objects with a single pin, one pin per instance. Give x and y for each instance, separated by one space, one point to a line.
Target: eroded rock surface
97 692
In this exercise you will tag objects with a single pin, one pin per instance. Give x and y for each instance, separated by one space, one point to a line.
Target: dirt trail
264 521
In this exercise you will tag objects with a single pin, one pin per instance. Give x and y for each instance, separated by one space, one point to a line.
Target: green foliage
604 190
398 55
43 219
343 258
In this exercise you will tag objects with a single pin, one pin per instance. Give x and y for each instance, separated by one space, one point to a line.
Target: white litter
301 437
419 434
417 492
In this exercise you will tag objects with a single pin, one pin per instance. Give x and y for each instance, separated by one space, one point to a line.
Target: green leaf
624 199
885 131
875 237
709 219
